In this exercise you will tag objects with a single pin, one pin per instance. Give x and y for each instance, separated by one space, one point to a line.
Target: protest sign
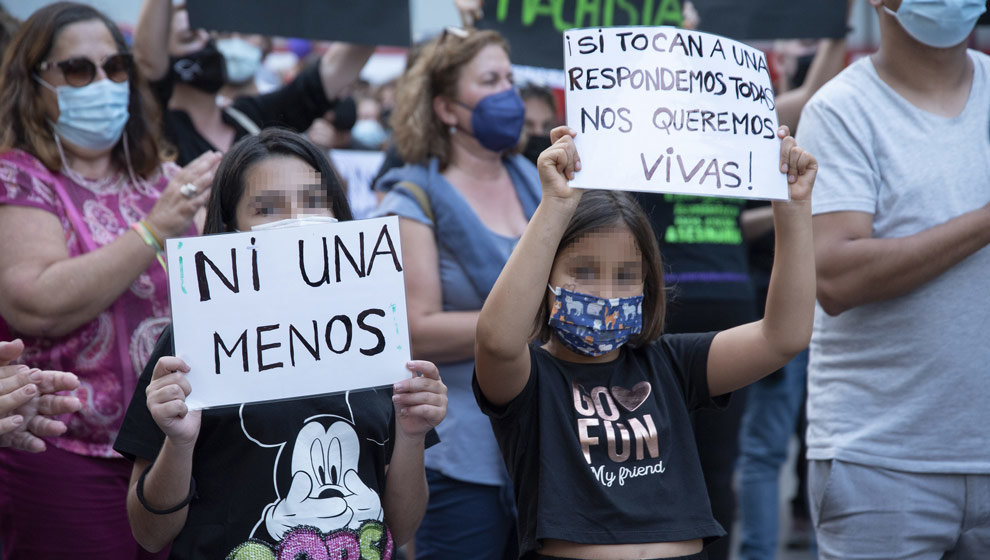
358 168
660 109
366 22
533 27
289 312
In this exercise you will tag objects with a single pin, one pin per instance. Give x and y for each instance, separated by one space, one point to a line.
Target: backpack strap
421 197
242 119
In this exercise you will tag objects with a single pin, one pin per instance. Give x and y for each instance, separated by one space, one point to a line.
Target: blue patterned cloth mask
594 326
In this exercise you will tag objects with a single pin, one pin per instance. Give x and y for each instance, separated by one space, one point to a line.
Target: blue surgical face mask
594 326
939 23
497 120
92 116
242 58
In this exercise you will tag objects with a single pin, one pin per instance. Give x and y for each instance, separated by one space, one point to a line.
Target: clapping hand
28 401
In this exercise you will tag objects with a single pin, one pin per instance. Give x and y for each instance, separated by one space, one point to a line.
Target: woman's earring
452 130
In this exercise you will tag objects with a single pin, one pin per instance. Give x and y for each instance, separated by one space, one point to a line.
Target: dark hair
8 27
544 94
22 117
603 209
228 183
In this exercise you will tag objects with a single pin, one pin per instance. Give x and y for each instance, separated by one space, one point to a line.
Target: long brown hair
599 210
418 132
23 124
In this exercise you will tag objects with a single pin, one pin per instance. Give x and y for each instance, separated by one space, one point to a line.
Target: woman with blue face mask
86 203
463 199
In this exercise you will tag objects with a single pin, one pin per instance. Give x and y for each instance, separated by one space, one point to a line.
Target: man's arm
854 268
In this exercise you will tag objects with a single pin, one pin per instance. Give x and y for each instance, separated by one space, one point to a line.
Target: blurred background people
187 70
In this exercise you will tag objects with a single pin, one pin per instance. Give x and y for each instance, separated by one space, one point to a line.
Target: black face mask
535 146
345 114
204 69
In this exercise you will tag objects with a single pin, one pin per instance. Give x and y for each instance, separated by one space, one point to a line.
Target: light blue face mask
939 23
92 116
242 58
369 134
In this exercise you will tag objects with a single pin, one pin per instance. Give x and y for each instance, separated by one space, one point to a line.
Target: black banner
534 27
773 19
367 22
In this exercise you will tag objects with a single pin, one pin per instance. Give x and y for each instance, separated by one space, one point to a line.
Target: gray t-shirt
904 383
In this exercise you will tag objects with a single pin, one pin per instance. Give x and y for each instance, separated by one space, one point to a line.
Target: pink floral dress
109 352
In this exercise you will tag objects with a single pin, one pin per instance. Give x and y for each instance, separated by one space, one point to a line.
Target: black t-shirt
295 105
604 453
702 246
287 474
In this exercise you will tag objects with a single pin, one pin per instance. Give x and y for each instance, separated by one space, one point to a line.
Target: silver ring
188 190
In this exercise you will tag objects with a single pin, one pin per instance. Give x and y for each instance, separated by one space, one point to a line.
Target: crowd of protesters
560 337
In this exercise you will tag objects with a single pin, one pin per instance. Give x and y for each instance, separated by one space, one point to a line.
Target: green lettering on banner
592 8
699 219
669 13
592 13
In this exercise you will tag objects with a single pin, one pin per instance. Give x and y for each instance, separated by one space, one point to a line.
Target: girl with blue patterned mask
589 401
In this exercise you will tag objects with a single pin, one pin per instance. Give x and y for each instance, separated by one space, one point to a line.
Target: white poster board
358 169
667 110
290 312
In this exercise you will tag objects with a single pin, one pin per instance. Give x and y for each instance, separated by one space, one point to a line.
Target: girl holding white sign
315 476
595 431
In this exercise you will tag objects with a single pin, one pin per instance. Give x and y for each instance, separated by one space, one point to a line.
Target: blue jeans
466 520
771 415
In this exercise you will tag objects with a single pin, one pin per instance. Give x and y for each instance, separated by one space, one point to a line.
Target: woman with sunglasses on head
86 202
186 70
463 201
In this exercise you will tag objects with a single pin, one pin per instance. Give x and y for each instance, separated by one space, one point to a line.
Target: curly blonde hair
418 132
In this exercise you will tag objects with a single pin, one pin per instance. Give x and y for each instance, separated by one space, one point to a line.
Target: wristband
173 509
151 240
154 234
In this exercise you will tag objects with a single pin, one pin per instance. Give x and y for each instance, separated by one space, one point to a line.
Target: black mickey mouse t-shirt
300 477
604 453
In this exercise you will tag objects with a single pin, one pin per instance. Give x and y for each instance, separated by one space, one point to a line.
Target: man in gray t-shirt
899 379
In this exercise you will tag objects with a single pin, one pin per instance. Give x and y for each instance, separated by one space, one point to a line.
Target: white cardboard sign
667 110
289 312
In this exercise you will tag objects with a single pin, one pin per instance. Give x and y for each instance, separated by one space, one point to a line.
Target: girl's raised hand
167 394
800 166
420 402
558 163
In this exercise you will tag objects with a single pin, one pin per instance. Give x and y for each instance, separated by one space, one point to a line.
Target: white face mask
293 222
939 23
243 59
92 116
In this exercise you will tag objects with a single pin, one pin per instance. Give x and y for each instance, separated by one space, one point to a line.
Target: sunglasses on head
80 71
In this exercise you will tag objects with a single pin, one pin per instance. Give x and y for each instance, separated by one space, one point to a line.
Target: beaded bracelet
173 509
